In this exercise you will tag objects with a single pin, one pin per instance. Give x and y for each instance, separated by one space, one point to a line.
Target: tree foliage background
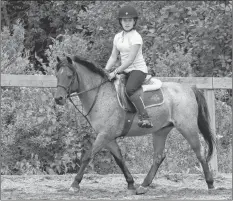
181 38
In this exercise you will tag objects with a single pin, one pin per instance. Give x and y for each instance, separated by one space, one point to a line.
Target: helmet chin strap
127 30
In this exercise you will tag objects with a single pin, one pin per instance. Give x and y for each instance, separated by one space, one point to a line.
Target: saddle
150 84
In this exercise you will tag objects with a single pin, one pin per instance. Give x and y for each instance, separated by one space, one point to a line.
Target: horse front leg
114 149
159 139
99 143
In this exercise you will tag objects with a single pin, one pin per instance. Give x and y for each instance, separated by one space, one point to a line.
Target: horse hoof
131 187
211 187
141 190
130 192
74 190
210 190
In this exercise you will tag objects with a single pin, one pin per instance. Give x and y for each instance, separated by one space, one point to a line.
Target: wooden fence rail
206 83
51 81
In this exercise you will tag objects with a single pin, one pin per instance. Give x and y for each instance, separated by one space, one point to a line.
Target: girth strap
129 116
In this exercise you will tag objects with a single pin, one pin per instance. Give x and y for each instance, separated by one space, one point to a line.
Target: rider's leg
134 82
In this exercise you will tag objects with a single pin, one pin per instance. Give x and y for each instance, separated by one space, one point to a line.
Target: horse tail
204 121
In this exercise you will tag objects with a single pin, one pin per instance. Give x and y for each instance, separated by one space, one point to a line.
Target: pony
184 108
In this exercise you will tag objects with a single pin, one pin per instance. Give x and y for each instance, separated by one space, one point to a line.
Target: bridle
68 89
69 95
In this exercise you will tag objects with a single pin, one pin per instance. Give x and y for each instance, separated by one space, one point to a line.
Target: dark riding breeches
135 79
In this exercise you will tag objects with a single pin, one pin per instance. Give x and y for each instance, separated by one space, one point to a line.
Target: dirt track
113 187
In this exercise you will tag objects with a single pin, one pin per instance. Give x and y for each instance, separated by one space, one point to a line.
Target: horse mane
90 66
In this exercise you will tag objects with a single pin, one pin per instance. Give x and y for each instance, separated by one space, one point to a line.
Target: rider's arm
112 59
132 55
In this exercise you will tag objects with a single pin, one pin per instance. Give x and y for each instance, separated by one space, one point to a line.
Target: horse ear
58 59
69 60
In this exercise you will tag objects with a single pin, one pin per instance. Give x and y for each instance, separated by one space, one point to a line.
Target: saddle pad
153 98
151 83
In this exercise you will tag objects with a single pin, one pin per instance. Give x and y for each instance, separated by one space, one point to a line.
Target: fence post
209 95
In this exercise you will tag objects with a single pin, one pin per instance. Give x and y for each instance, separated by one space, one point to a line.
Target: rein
96 96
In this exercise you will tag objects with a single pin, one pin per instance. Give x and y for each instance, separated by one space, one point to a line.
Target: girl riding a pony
128 43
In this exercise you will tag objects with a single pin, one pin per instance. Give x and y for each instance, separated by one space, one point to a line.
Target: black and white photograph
116 100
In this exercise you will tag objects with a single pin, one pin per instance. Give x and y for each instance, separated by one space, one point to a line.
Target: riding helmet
127 12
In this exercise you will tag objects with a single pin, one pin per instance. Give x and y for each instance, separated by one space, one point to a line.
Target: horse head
67 80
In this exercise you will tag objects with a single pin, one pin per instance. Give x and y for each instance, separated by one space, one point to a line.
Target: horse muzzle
60 100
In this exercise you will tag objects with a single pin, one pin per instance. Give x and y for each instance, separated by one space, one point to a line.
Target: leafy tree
12 45
199 27
42 21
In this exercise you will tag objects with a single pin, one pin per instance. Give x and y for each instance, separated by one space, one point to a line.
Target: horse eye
69 76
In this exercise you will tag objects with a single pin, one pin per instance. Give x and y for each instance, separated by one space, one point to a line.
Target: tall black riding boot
144 120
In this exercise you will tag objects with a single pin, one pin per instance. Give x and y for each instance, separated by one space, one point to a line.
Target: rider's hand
107 70
112 75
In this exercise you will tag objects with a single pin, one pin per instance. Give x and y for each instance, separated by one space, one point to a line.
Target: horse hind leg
190 133
159 139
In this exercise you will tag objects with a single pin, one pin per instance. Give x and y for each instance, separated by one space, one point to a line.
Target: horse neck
88 80
106 99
